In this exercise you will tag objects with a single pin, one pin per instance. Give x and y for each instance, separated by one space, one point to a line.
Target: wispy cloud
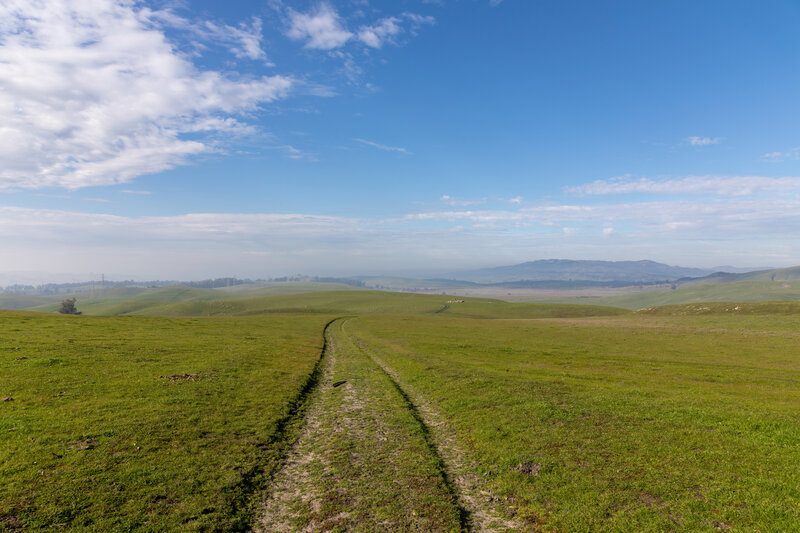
293 152
131 191
132 96
717 185
516 200
387 29
696 219
383 146
244 40
455 202
703 141
777 157
378 34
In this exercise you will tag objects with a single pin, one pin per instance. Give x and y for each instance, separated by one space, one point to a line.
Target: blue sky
262 138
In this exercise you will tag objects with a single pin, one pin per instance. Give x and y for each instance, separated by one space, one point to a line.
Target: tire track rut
365 460
478 511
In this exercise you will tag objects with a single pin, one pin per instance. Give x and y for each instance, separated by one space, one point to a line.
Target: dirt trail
479 503
362 462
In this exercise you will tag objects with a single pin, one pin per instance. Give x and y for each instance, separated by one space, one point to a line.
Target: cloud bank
95 93
714 185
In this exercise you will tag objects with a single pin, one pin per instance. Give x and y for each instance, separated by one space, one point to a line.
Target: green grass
678 418
745 291
730 308
487 308
371 302
23 301
634 423
136 300
97 438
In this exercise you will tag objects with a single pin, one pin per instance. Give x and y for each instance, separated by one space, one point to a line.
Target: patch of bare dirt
12 523
176 378
85 444
650 500
529 469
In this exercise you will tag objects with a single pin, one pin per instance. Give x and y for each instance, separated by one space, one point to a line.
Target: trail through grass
363 462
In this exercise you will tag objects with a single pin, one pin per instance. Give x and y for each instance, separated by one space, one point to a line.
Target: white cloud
22 223
384 147
205 245
777 157
703 141
385 30
455 202
378 34
95 94
729 219
516 200
718 185
321 29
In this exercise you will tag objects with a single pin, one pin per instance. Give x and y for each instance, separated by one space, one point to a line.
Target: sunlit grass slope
183 301
23 301
487 308
632 423
746 291
725 308
114 303
128 300
141 423
376 302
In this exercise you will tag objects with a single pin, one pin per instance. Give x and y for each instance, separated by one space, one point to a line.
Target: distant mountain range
575 270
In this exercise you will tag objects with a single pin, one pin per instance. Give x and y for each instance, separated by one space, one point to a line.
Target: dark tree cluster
68 307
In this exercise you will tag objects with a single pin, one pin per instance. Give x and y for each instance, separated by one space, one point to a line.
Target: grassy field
631 423
448 415
138 423
744 291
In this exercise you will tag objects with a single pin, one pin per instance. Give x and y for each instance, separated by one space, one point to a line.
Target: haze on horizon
190 140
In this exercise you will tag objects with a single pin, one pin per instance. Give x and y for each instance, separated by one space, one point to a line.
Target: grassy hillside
22 301
140 423
183 301
777 274
727 308
285 287
141 301
750 291
134 300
